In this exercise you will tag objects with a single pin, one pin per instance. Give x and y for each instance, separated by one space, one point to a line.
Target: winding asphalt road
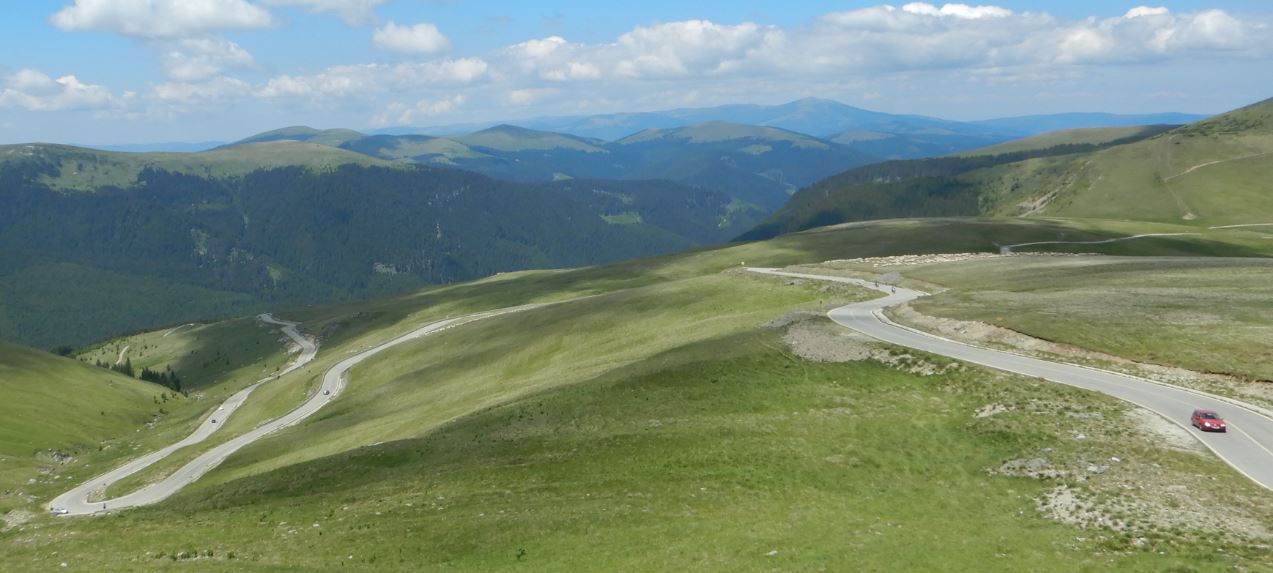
1248 446
76 501
1006 249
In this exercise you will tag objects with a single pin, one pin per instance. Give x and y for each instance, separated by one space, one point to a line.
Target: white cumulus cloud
682 49
1146 11
196 59
160 18
871 49
33 90
528 96
423 38
957 10
367 79
353 12
399 113
215 89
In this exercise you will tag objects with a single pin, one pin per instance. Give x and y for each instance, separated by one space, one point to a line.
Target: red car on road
1207 421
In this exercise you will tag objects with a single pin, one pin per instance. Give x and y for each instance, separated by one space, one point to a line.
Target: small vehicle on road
59 511
1208 421
327 392
214 420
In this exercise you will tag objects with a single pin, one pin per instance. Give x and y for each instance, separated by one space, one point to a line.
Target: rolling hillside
64 167
657 417
1210 173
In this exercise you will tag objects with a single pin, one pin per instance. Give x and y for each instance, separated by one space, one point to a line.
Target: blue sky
127 71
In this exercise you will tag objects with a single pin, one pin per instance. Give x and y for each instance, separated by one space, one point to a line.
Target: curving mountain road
1007 249
1248 446
75 502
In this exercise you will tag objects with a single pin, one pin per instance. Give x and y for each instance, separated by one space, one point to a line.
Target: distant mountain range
884 135
756 165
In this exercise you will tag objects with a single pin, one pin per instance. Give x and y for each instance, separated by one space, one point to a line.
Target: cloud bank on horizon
916 52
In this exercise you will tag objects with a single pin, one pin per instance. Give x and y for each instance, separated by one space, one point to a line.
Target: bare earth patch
1173 507
17 517
813 337
990 410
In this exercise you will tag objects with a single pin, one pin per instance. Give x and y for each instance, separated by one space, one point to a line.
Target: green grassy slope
52 404
1213 172
1210 173
231 352
1207 315
658 425
723 455
99 418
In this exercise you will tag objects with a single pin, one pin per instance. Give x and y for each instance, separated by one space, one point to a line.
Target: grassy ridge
80 169
233 352
1206 174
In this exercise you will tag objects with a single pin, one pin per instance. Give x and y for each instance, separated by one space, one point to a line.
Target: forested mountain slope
80 260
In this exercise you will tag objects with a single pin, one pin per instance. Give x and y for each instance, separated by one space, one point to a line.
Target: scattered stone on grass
1036 468
17 518
990 410
1162 431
